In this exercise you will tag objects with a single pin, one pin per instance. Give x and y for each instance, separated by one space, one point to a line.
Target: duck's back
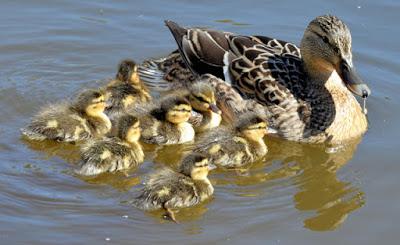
167 188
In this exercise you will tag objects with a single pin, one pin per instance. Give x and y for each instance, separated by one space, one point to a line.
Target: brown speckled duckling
238 148
69 122
111 154
127 89
168 123
167 189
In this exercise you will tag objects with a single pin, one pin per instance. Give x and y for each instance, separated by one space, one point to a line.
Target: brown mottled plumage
167 189
127 89
69 122
167 123
111 154
307 95
239 146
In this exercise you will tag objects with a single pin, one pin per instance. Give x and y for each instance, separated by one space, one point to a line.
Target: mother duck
307 93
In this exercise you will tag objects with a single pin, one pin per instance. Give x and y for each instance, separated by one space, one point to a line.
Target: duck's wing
261 68
167 73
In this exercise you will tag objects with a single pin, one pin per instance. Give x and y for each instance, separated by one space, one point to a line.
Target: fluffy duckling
112 154
167 189
242 146
126 89
71 122
205 114
168 123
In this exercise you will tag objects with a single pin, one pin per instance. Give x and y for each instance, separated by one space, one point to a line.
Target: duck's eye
336 49
325 39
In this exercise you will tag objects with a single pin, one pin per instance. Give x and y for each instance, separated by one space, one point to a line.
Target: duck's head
252 126
202 97
128 72
91 102
326 47
174 109
129 128
196 166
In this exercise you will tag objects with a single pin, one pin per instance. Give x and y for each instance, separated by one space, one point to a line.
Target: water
49 50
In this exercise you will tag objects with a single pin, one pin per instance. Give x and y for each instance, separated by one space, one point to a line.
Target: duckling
70 122
240 147
168 123
167 189
126 89
111 154
205 113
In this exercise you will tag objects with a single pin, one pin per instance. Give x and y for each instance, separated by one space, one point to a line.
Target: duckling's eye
201 99
325 39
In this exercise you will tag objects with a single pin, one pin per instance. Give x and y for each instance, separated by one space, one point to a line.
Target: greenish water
300 194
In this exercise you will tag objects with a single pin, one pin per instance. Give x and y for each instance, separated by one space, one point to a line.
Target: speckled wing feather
260 68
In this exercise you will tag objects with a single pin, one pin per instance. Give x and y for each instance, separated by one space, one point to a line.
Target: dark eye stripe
201 99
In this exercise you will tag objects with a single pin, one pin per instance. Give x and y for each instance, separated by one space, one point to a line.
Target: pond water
49 50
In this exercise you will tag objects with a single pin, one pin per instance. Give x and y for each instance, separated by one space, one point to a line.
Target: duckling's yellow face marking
134 132
179 114
97 106
255 132
200 170
204 101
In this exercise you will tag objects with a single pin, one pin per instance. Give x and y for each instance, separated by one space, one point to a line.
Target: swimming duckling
70 122
168 123
205 114
242 146
112 154
167 189
126 89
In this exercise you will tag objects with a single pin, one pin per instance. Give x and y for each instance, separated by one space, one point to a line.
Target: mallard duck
167 189
111 154
70 122
240 146
168 123
126 89
308 94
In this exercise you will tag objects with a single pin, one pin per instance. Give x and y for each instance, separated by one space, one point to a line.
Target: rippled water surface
300 194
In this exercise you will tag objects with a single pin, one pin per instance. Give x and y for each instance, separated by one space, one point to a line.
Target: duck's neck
186 132
210 120
137 148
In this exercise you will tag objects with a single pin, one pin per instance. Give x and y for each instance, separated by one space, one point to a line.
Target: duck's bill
214 108
353 81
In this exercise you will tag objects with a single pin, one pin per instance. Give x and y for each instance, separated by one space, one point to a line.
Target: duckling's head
252 126
91 102
174 109
326 47
196 166
202 97
128 72
129 128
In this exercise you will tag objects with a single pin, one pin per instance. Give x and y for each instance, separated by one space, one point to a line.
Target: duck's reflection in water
320 190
